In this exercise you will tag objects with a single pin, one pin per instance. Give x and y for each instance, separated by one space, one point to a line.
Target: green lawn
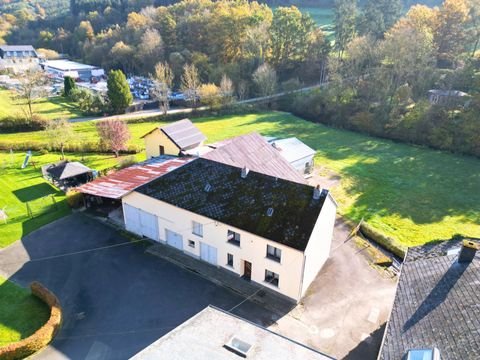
17 187
413 194
21 314
51 108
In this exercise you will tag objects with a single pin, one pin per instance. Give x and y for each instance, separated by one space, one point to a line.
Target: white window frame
272 278
197 229
274 253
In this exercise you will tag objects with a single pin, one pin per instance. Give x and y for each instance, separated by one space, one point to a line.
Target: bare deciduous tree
226 90
191 83
265 77
59 132
32 86
162 84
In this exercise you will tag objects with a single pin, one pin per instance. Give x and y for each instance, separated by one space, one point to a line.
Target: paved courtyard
117 299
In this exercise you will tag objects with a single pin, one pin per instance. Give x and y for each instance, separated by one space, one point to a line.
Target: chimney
468 251
317 192
245 172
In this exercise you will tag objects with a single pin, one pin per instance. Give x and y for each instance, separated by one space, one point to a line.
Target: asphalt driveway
116 299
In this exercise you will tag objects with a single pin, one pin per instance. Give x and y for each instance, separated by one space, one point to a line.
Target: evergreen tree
118 91
68 85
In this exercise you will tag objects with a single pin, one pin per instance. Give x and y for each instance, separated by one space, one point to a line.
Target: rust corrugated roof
120 183
254 152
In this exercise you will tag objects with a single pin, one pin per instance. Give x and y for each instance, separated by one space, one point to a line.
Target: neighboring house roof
183 133
17 48
209 334
217 191
293 149
122 182
452 93
66 169
436 304
254 152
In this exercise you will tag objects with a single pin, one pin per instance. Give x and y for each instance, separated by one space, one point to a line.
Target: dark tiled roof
242 203
254 152
183 133
65 170
437 304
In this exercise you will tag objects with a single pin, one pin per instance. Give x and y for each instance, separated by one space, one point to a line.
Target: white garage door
174 239
149 223
132 219
140 222
208 253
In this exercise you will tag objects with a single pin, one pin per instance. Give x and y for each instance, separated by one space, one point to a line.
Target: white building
272 231
214 334
18 58
298 154
60 68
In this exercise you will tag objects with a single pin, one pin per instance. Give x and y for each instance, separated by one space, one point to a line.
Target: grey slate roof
242 203
204 336
437 304
253 151
65 170
183 133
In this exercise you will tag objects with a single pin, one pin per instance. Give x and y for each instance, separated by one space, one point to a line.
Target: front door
162 150
247 270
174 239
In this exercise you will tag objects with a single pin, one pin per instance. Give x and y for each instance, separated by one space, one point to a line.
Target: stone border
43 336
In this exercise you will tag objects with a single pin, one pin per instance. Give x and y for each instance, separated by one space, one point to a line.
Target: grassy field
17 187
21 314
413 194
52 108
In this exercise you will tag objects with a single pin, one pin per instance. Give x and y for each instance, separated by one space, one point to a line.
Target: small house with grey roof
436 312
173 139
263 228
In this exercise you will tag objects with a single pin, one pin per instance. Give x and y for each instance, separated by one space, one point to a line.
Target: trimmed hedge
385 241
43 336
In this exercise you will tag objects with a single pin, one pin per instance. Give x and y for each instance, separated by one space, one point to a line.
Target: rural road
156 112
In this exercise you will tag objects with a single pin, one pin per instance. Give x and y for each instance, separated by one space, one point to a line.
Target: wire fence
28 210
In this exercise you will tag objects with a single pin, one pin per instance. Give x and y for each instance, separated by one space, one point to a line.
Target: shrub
126 162
43 336
74 199
43 151
383 240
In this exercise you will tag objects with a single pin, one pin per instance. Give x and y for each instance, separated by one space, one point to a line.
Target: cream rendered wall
252 248
318 248
157 138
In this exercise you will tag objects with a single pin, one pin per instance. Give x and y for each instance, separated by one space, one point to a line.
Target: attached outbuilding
297 153
173 139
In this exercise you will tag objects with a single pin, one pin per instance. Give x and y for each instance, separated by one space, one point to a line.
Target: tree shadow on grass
34 192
